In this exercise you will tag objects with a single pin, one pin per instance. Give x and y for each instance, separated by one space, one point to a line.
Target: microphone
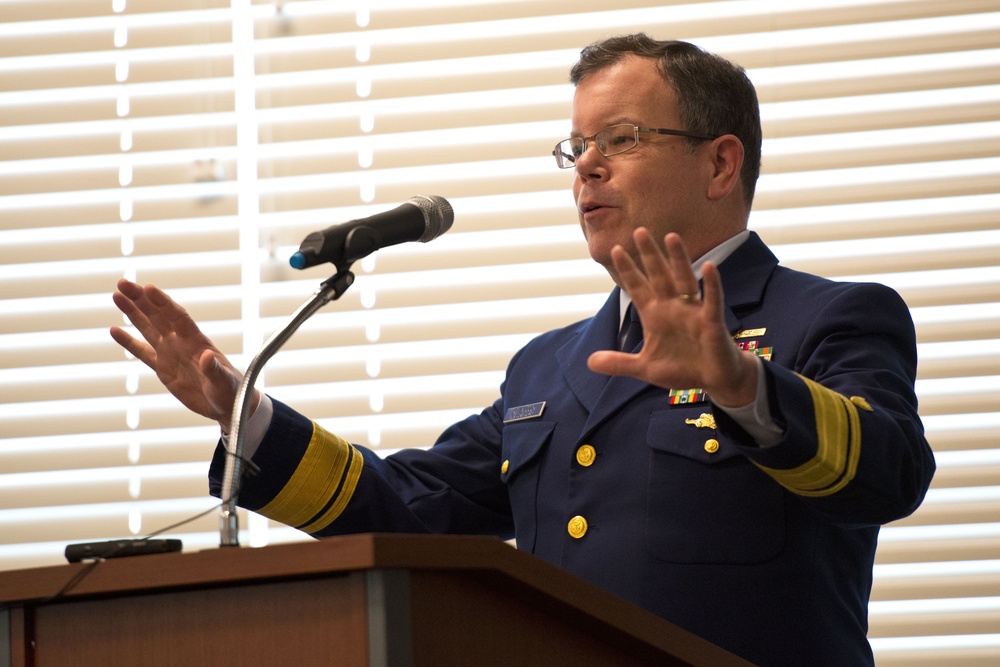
422 218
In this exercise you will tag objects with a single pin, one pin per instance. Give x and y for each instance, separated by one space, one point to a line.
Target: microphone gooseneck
422 218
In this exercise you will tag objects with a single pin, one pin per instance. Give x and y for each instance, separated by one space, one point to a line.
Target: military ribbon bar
683 396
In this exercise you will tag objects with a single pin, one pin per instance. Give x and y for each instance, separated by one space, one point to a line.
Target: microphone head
438 215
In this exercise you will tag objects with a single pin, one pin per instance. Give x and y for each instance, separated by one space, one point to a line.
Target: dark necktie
631 333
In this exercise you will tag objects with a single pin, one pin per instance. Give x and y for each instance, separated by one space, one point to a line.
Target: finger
129 288
684 280
608 362
152 312
654 263
125 300
166 314
214 373
630 276
130 299
217 369
138 349
713 294
123 338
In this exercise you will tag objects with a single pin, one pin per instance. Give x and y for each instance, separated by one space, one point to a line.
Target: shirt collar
716 255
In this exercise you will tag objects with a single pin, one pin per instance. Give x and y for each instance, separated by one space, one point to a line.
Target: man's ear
726 154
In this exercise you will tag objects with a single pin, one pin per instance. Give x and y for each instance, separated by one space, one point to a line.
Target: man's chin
604 260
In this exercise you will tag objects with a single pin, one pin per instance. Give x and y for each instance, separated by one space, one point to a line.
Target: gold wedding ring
688 298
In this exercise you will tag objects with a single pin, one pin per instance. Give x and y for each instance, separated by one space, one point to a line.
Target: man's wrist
744 391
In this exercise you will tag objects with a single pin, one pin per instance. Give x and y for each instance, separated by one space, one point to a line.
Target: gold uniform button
504 466
585 455
711 445
577 527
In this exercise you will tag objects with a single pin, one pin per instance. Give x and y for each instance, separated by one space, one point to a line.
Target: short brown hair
714 95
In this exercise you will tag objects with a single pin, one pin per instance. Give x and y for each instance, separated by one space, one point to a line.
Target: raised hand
686 344
184 359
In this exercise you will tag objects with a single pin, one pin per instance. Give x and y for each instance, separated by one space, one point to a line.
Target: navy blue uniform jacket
765 552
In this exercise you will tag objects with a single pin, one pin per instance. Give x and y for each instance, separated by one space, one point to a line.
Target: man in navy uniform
726 465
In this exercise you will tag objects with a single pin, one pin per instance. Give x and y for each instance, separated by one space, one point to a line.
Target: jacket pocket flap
690 432
522 442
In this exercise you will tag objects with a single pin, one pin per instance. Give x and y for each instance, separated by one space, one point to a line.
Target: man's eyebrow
614 121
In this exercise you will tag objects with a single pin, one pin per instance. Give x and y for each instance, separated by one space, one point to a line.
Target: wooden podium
362 600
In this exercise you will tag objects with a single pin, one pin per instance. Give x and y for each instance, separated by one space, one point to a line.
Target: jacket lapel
599 333
601 395
744 276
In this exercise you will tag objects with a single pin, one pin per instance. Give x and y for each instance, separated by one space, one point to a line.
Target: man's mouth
587 207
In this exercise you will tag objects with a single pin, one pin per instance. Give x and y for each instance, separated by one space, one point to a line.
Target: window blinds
194 143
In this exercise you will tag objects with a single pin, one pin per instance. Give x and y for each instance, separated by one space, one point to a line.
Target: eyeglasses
611 141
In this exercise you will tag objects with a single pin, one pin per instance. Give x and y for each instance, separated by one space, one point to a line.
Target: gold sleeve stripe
838 434
349 483
318 481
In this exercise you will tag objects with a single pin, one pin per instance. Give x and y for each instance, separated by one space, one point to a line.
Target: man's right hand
183 358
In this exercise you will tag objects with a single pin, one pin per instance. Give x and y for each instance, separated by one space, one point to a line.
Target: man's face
659 184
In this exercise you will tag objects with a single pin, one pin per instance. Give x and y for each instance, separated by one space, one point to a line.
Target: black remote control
119 549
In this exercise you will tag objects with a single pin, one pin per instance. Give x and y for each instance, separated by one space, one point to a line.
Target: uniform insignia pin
706 420
749 333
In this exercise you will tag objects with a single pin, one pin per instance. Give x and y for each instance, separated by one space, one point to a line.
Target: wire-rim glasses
610 141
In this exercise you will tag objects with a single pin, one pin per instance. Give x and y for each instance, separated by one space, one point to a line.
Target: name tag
523 412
